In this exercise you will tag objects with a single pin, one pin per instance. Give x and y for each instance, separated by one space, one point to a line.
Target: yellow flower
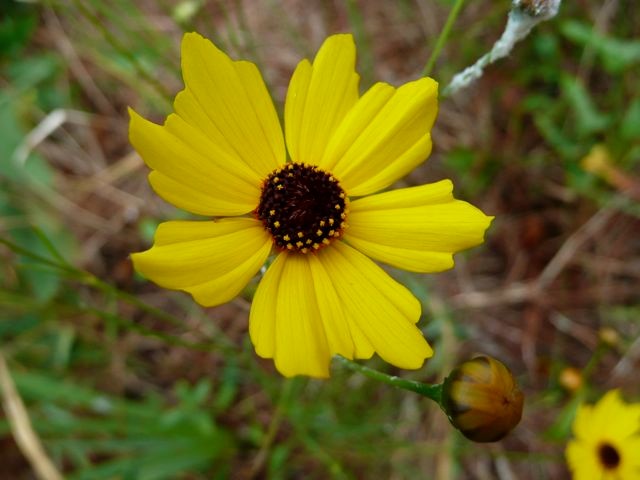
222 155
607 440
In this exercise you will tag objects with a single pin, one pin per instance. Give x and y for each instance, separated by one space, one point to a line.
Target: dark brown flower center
302 207
609 456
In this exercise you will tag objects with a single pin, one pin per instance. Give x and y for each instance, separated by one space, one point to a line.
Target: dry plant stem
49 124
158 87
519 24
23 433
433 392
75 64
625 366
521 292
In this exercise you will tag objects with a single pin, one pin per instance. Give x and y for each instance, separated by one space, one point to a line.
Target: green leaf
16 27
588 119
630 129
615 54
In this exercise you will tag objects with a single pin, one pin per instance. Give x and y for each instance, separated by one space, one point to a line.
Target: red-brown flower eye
302 207
609 456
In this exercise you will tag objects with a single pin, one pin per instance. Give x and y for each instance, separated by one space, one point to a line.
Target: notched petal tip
190 38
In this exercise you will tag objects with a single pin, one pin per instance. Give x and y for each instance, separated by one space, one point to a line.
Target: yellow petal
582 423
629 449
583 462
383 137
262 318
319 97
229 102
294 107
190 172
343 334
213 261
416 229
614 417
383 310
285 316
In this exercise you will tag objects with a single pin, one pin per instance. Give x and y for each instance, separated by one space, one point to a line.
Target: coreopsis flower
319 211
606 444
482 399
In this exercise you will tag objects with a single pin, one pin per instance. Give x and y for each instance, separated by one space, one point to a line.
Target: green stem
91 281
434 392
365 57
274 427
593 361
122 49
442 38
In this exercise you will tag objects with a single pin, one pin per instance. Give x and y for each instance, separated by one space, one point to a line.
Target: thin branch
524 15
26 438
521 292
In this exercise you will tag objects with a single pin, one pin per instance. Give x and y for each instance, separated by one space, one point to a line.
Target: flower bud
570 379
609 336
482 400
544 9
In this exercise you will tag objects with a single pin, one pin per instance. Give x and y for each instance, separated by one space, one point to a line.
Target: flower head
222 155
482 399
607 440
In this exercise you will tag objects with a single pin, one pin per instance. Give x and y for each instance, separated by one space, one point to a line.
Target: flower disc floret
609 456
303 207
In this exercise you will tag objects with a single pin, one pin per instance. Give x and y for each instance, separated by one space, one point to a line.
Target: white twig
46 127
524 15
